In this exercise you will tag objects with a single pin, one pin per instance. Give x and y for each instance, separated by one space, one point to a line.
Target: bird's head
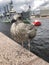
16 18
13 20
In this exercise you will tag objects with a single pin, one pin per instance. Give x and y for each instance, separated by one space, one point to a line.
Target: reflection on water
5 28
40 44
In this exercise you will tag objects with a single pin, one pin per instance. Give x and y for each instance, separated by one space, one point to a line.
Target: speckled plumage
22 32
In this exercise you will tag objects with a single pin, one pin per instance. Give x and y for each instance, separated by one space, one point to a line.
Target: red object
36 23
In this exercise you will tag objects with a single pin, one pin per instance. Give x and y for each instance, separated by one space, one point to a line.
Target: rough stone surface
11 53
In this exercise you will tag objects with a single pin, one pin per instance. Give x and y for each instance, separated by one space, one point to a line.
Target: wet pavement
40 44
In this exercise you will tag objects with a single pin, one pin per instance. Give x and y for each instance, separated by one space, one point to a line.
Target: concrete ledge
11 53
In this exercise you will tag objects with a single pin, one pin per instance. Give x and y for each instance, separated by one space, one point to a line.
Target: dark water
40 44
5 28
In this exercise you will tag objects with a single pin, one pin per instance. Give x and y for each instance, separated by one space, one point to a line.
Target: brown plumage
22 32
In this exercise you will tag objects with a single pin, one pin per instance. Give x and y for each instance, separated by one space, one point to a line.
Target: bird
22 32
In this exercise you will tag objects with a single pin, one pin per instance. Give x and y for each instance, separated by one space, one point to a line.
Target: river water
40 44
